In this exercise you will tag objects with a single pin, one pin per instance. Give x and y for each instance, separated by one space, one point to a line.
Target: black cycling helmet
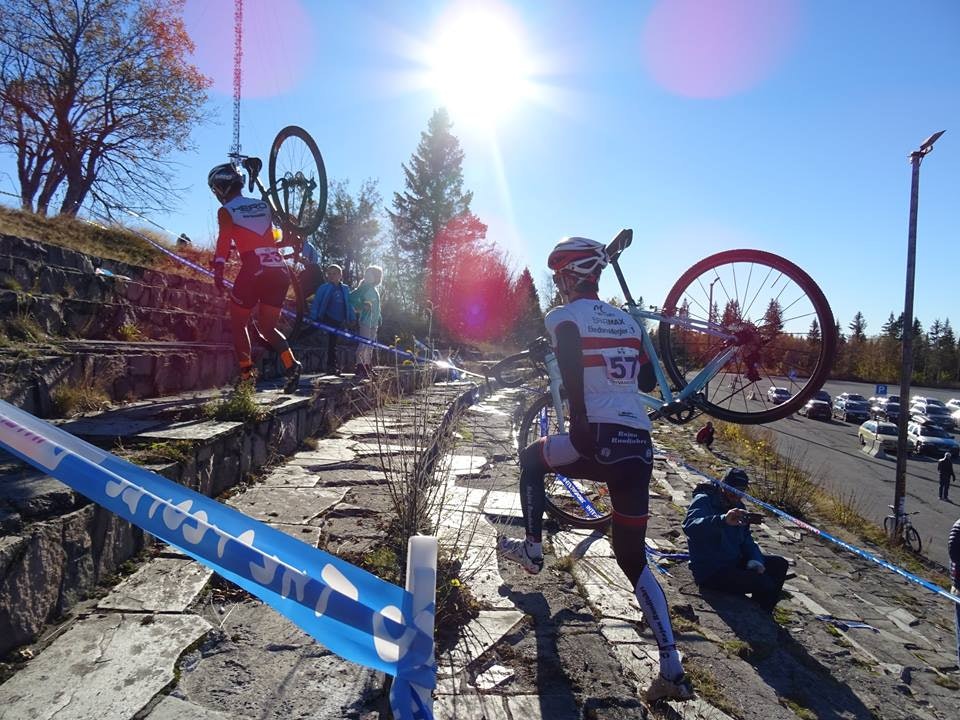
224 179
736 477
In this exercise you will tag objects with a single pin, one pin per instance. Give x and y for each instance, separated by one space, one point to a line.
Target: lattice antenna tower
237 76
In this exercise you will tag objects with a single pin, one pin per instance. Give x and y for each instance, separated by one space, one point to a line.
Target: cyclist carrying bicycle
263 281
602 364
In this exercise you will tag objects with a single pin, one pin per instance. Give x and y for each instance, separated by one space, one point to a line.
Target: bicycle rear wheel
579 503
784 331
291 315
512 370
298 180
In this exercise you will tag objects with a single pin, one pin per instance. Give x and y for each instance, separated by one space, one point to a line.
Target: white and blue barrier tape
352 612
860 552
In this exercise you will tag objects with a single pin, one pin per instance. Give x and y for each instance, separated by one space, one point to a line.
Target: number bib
269 257
622 366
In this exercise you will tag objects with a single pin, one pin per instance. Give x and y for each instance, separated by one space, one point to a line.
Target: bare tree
94 96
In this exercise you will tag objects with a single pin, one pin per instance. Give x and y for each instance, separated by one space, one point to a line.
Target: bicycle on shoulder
297 194
735 325
899 528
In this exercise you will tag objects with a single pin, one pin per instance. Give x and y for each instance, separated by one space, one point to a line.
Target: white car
777 395
953 404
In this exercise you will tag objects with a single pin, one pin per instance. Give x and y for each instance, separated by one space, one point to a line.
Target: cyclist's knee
629 544
531 457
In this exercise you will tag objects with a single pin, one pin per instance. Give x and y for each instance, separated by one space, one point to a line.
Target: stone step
124 371
56 546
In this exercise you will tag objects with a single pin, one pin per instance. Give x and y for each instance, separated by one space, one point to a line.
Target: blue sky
773 124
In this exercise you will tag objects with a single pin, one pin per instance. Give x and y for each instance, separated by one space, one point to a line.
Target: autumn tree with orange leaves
94 97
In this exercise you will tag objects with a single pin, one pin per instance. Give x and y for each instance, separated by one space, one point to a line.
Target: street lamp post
906 364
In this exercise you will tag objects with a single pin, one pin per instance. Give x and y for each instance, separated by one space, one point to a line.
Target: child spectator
331 306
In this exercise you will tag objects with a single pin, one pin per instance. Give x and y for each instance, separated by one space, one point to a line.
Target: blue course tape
865 554
354 613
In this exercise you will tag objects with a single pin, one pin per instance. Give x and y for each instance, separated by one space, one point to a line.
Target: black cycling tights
629 485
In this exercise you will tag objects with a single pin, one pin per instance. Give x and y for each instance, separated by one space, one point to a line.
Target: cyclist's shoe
515 550
662 689
293 377
246 377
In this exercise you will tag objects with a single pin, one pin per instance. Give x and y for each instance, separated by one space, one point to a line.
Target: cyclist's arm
570 359
225 235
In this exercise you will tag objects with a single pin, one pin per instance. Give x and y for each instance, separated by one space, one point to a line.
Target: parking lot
831 452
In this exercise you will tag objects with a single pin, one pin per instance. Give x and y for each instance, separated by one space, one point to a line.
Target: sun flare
478 66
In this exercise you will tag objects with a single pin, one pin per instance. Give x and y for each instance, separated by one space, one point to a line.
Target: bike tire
298 187
291 317
784 341
560 503
912 538
507 374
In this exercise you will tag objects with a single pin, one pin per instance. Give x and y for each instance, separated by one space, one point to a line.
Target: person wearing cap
723 554
945 469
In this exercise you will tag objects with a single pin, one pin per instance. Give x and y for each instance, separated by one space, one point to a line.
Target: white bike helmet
224 179
582 258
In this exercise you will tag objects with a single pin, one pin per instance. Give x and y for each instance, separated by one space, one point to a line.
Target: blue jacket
714 545
321 302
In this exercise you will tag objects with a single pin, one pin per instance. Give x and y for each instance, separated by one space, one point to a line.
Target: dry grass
116 242
74 398
239 406
128 332
22 327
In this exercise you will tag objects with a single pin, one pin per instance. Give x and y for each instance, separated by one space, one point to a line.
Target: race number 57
622 367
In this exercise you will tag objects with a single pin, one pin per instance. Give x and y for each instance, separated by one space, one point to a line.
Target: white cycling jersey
612 357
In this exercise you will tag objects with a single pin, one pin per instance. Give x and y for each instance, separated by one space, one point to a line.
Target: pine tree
731 314
348 231
813 334
858 328
893 327
529 324
434 196
773 317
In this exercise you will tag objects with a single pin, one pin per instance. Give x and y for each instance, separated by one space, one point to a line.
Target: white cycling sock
654 605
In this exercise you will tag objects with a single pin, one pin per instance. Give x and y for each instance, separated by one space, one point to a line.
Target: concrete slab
326 449
619 631
35 495
480 634
110 427
290 506
174 708
107 667
290 476
162 585
471 707
537 707
368 425
503 504
582 543
345 477
367 450
493 676
206 431
463 464
309 534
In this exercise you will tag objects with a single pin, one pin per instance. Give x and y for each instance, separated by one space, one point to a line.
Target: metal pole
706 385
906 364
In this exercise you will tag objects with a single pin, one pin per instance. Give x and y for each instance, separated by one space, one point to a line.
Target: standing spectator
705 435
945 468
723 554
311 277
366 304
953 549
332 307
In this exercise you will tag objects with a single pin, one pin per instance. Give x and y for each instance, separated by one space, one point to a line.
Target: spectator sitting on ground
705 435
953 550
723 554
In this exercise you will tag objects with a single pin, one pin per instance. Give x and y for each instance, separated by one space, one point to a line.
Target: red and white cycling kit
248 224
612 355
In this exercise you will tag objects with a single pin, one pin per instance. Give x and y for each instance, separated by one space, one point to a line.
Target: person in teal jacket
723 554
332 307
365 300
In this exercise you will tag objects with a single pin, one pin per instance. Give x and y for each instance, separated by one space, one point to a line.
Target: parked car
934 413
777 395
825 396
928 439
953 404
816 410
851 408
890 412
878 435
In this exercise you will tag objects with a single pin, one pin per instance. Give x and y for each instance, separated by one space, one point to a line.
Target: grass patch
781 615
22 327
158 453
239 406
797 709
946 682
737 648
73 398
128 332
9 283
710 689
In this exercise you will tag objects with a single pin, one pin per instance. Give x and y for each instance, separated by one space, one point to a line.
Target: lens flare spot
278 42
718 48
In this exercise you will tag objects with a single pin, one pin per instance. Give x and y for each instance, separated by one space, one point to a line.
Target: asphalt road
831 452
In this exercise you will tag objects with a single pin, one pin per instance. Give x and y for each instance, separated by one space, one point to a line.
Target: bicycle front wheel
513 369
775 318
912 538
298 180
579 503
